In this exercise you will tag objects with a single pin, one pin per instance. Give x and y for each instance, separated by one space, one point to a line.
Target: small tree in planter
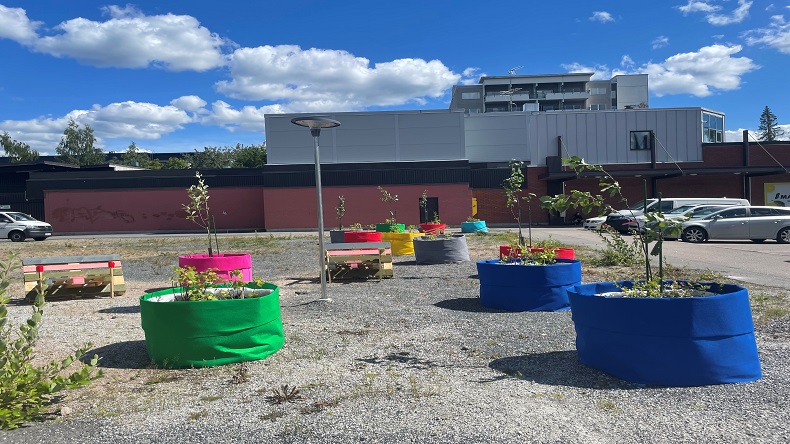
392 222
338 236
655 331
432 226
199 212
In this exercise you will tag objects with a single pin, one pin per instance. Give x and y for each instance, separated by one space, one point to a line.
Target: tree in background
209 158
174 163
76 146
253 156
133 157
769 130
19 152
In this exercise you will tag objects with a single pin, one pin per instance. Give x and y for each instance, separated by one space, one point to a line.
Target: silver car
740 222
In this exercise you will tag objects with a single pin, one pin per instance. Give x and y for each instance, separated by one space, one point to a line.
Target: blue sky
182 75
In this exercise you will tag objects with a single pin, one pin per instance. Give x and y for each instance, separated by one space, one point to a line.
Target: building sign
777 194
5 207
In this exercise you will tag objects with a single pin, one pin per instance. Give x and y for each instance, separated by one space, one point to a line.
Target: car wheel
784 236
16 236
758 241
694 234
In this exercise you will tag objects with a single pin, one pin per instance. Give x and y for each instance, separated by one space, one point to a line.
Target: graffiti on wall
66 214
777 194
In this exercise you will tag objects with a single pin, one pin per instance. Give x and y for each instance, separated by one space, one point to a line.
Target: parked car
594 223
19 226
684 212
624 220
756 223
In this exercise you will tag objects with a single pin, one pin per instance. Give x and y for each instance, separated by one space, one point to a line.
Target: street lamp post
316 124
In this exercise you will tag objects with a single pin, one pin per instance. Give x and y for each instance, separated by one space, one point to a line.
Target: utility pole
510 89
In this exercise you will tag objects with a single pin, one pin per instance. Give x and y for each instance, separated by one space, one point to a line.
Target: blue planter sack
474 227
688 341
518 287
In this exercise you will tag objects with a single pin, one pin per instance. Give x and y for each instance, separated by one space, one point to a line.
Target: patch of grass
194 416
768 307
160 378
608 405
272 416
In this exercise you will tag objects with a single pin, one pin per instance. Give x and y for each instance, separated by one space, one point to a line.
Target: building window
641 140
598 107
597 91
712 128
470 96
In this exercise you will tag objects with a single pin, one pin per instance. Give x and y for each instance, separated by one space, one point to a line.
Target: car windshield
680 210
19 216
705 211
641 204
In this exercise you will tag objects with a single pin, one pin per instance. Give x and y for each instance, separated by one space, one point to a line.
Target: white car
756 223
683 212
19 226
594 223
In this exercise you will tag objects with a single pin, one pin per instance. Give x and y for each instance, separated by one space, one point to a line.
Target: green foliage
17 152
514 194
26 389
198 210
655 228
436 219
176 163
386 197
76 146
655 288
202 285
424 204
769 129
340 210
210 158
133 157
618 252
252 156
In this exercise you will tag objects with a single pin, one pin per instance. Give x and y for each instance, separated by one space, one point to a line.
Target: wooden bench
73 276
358 259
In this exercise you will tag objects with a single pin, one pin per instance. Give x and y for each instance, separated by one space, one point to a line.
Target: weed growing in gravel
284 393
194 416
160 378
241 374
25 388
608 405
319 406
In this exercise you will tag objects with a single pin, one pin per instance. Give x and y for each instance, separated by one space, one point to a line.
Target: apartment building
551 92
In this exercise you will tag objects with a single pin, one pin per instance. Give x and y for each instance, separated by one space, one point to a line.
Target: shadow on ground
127 354
560 368
467 304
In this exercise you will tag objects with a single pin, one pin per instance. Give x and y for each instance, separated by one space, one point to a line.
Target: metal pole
317 132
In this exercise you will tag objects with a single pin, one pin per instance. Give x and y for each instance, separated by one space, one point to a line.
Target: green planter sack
184 334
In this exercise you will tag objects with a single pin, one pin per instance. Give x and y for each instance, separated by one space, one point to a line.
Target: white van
619 219
18 226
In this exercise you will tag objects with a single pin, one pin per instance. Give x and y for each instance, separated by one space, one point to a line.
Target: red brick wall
148 210
296 207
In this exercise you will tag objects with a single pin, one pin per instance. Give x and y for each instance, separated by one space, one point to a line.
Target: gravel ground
415 358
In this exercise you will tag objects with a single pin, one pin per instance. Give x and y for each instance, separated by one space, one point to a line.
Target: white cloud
189 103
737 135
626 61
711 11
698 6
777 35
701 73
659 42
335 79
248 118
130 39
15 25
131 120
602 16
712 68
